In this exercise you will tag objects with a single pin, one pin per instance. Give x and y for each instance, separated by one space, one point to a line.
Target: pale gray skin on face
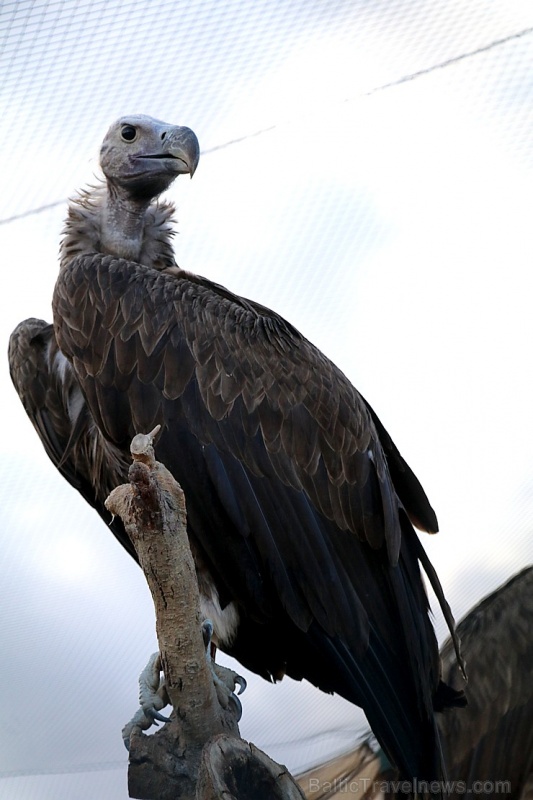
139 157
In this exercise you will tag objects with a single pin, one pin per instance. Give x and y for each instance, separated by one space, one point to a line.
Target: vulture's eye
128 133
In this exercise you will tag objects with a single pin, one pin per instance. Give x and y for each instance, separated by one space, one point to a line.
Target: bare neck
101 220
123 221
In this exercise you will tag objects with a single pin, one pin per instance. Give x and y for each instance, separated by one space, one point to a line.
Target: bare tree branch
201 743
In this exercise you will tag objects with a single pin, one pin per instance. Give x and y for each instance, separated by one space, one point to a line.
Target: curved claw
155 715
207 632
238 705
241 683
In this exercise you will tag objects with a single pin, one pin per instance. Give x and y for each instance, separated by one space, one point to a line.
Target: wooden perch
198 753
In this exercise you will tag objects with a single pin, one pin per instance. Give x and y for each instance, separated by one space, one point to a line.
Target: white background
366 172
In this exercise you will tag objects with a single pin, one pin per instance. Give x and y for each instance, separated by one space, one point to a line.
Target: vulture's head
142 156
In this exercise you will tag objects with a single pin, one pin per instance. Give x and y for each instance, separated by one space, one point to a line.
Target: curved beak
181 143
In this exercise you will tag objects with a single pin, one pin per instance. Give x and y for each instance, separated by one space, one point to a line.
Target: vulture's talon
224 678
207 632
153 697
139 721
238 705
155 715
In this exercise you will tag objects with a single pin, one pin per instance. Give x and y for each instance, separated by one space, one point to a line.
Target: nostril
163 135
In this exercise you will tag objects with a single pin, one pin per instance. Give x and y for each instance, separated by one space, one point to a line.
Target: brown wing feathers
51 396
272 384
492 741
289 456
295 491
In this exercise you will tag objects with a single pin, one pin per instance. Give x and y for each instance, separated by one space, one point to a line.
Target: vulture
491 742
300 507
488 746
